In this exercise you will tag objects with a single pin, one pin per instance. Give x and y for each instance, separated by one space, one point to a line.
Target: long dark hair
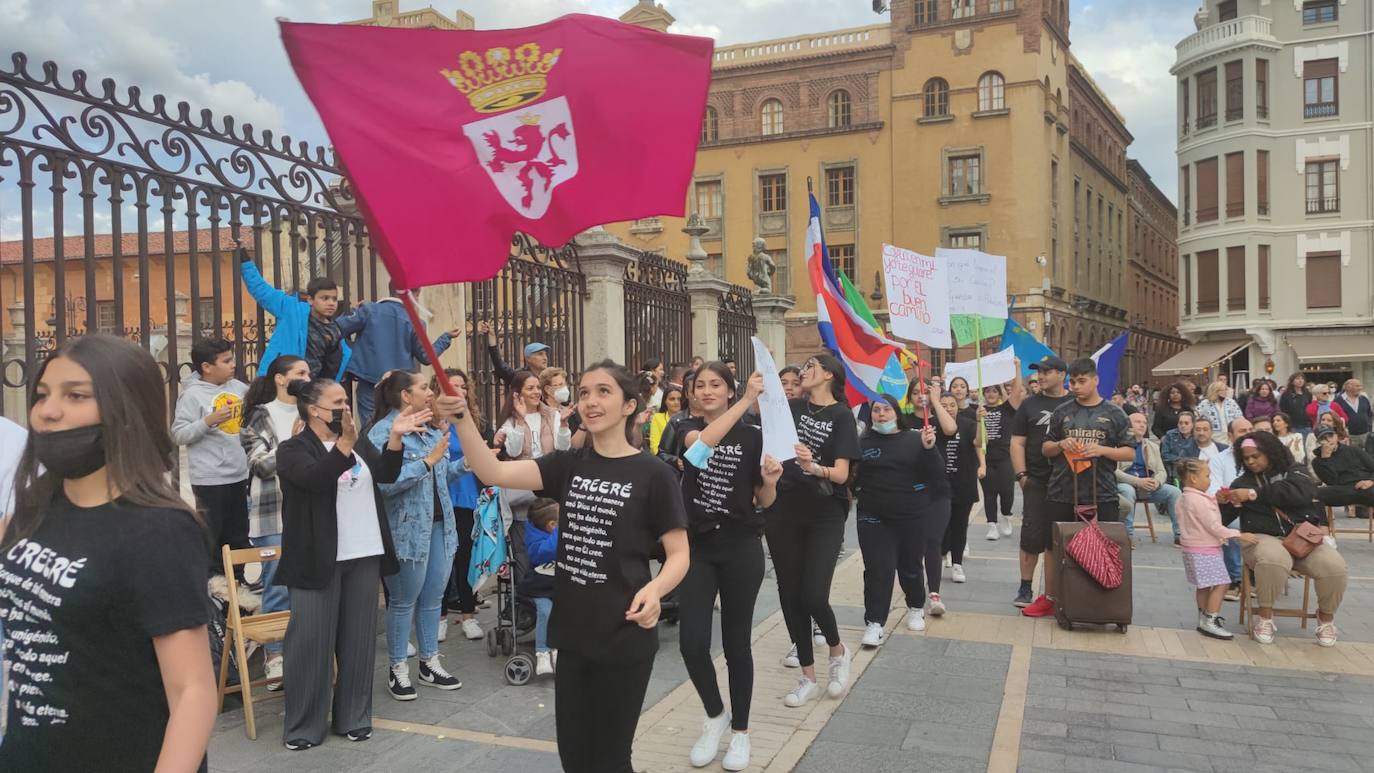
723 371
1186 401
835 368
629 386
387 395
897 407
663 406
263 390
517 382
139 452
473 407
1305 386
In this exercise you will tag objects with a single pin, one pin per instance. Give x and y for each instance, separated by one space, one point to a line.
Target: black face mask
335 423
71 453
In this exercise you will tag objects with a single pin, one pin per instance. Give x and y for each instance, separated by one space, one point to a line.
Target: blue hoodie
385 340
293 320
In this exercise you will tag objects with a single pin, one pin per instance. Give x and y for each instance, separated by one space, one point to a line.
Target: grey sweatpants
339 620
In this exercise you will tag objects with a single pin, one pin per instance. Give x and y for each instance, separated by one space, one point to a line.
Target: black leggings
805 532
956 534
934 527
727 561
596 709
892 544
999 487
458 595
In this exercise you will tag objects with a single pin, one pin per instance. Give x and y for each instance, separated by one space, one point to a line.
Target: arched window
772 117
991 92
839 109
936 92
710 125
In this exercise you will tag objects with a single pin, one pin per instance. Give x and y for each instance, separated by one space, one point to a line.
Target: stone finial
696 254
1200 18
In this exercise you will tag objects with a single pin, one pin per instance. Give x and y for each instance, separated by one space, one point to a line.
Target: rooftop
803 46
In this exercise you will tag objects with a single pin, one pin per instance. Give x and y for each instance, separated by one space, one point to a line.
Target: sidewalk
981 689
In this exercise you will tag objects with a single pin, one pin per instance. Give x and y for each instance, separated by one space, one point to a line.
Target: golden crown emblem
503 79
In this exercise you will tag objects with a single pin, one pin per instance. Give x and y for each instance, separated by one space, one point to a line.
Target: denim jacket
1174 446
410 500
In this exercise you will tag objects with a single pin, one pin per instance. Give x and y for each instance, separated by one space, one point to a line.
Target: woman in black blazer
336 545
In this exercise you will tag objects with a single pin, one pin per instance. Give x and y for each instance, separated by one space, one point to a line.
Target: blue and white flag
1108 360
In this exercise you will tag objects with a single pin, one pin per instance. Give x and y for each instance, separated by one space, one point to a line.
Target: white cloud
702 30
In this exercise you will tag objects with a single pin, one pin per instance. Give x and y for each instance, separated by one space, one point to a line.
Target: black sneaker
434 675
361 734
299 745
398 682
1024 597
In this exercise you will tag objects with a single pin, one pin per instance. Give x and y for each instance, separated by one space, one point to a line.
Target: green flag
966 330
855 298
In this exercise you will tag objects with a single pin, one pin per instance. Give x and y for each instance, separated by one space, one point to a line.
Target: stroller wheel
519 669
507 642
491 642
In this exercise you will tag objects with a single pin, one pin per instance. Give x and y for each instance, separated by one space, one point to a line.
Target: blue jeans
543 607
1230 552
275 598
419 583
363 393
1165 498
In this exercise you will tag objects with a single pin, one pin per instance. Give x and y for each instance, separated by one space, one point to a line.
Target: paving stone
1073 747
953 740
848 727
1115 737
1171 760
1041 727
1156 726
1213 748
1193 717
830 756
922 708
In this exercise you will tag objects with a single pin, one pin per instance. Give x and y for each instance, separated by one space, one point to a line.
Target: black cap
1324 431
1051 363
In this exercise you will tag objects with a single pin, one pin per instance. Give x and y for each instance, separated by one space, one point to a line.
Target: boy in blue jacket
541 542
384 340
304 328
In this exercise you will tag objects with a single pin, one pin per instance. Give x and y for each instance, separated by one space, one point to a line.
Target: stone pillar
770 312
604 260
448 304
706 292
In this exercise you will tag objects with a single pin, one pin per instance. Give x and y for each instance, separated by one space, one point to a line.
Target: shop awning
1356 347
1198 356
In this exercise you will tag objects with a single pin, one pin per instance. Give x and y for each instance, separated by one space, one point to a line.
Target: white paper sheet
779 431
998 368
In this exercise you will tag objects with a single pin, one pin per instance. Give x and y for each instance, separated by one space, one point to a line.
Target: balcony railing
1206 121
1323 205
1320 109
1227 34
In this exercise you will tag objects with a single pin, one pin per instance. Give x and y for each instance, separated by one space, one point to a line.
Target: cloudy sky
227 56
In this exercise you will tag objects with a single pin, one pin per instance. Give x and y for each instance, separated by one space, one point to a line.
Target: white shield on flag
527 153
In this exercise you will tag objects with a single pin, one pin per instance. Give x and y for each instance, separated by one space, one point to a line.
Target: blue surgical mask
885 427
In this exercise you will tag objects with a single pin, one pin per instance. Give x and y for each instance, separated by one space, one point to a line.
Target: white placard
998 368
977 282
779 430
917 296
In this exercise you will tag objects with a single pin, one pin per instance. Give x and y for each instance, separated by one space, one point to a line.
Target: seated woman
1273 494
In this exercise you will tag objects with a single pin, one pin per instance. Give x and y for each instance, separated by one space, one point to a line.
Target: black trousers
458 595
1335 496
729 562
805 533
596 710
890 544
225 509
956 534
999 489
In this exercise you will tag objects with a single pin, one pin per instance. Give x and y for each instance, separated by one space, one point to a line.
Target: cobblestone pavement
982 689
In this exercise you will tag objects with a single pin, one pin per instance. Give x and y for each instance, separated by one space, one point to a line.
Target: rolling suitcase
1078 598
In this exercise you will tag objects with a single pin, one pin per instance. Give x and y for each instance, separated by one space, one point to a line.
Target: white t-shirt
284 417
1209 452
360 535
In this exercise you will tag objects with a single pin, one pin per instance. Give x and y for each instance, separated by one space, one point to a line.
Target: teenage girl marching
616 503
727 480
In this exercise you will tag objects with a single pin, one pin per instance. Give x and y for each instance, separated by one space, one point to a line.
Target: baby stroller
494 553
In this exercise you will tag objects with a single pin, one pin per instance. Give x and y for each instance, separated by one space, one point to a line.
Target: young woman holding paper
727 479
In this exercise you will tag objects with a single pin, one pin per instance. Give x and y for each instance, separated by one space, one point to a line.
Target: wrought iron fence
658 311
128 211
737 325
537 297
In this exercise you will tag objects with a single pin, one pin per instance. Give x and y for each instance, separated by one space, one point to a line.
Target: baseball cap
535 348
1324 431
1051 363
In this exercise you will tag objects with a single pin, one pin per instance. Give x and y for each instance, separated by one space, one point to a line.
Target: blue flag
1108 360
1027 347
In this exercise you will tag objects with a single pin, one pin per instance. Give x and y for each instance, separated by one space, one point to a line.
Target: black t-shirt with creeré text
82 599
1031 422
896 470
998 422
1102 424
724 491
831 433
614 511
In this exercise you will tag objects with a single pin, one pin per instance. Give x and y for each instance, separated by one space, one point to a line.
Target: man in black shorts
1085 440
1032 470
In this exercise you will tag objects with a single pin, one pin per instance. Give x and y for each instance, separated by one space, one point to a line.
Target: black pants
1336 496
458 594
892 544
805 533
999 488
956 534
596 708
934 527
225 509
728 561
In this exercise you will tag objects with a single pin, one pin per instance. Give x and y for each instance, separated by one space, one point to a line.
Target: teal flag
1028 348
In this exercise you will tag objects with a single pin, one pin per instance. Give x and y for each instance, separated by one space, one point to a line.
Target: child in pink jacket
1202 535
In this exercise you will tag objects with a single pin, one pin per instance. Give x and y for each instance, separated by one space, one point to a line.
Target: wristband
1021 475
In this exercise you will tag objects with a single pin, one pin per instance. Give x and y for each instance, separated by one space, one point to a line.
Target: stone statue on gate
761 269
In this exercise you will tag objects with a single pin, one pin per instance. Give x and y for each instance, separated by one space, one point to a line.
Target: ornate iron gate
538 296
737 325
658 311
127 216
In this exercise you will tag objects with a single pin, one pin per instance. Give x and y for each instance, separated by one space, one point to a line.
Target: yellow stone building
955 123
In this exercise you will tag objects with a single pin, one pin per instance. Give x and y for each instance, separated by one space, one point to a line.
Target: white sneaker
1326 634
790 659
472 630
706 748
956 573
443 629
937 607
839 672
273 668
1005 525
1213 626
410 649
993 533
873 635
948 562
737 756
915 619
543 664
1262 630
817 637
801 694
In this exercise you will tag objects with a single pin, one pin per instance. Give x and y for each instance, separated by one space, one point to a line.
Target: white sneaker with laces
472 630
1326 634
737 756
948 562
839 672
706 748
817 637
273 673
873 635
1005 525
956 573
790 659
801 694
937 607
993 533
543 664
915 619
443 629
1262 630
410 649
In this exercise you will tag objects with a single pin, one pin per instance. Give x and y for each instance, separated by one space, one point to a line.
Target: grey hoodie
214 453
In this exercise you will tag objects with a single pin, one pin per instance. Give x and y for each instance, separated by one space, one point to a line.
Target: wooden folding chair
1367 529
1305 612
1149 522
263 628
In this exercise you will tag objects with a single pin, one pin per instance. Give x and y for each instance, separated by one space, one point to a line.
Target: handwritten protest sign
977 282
997 368
779 431
917 296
